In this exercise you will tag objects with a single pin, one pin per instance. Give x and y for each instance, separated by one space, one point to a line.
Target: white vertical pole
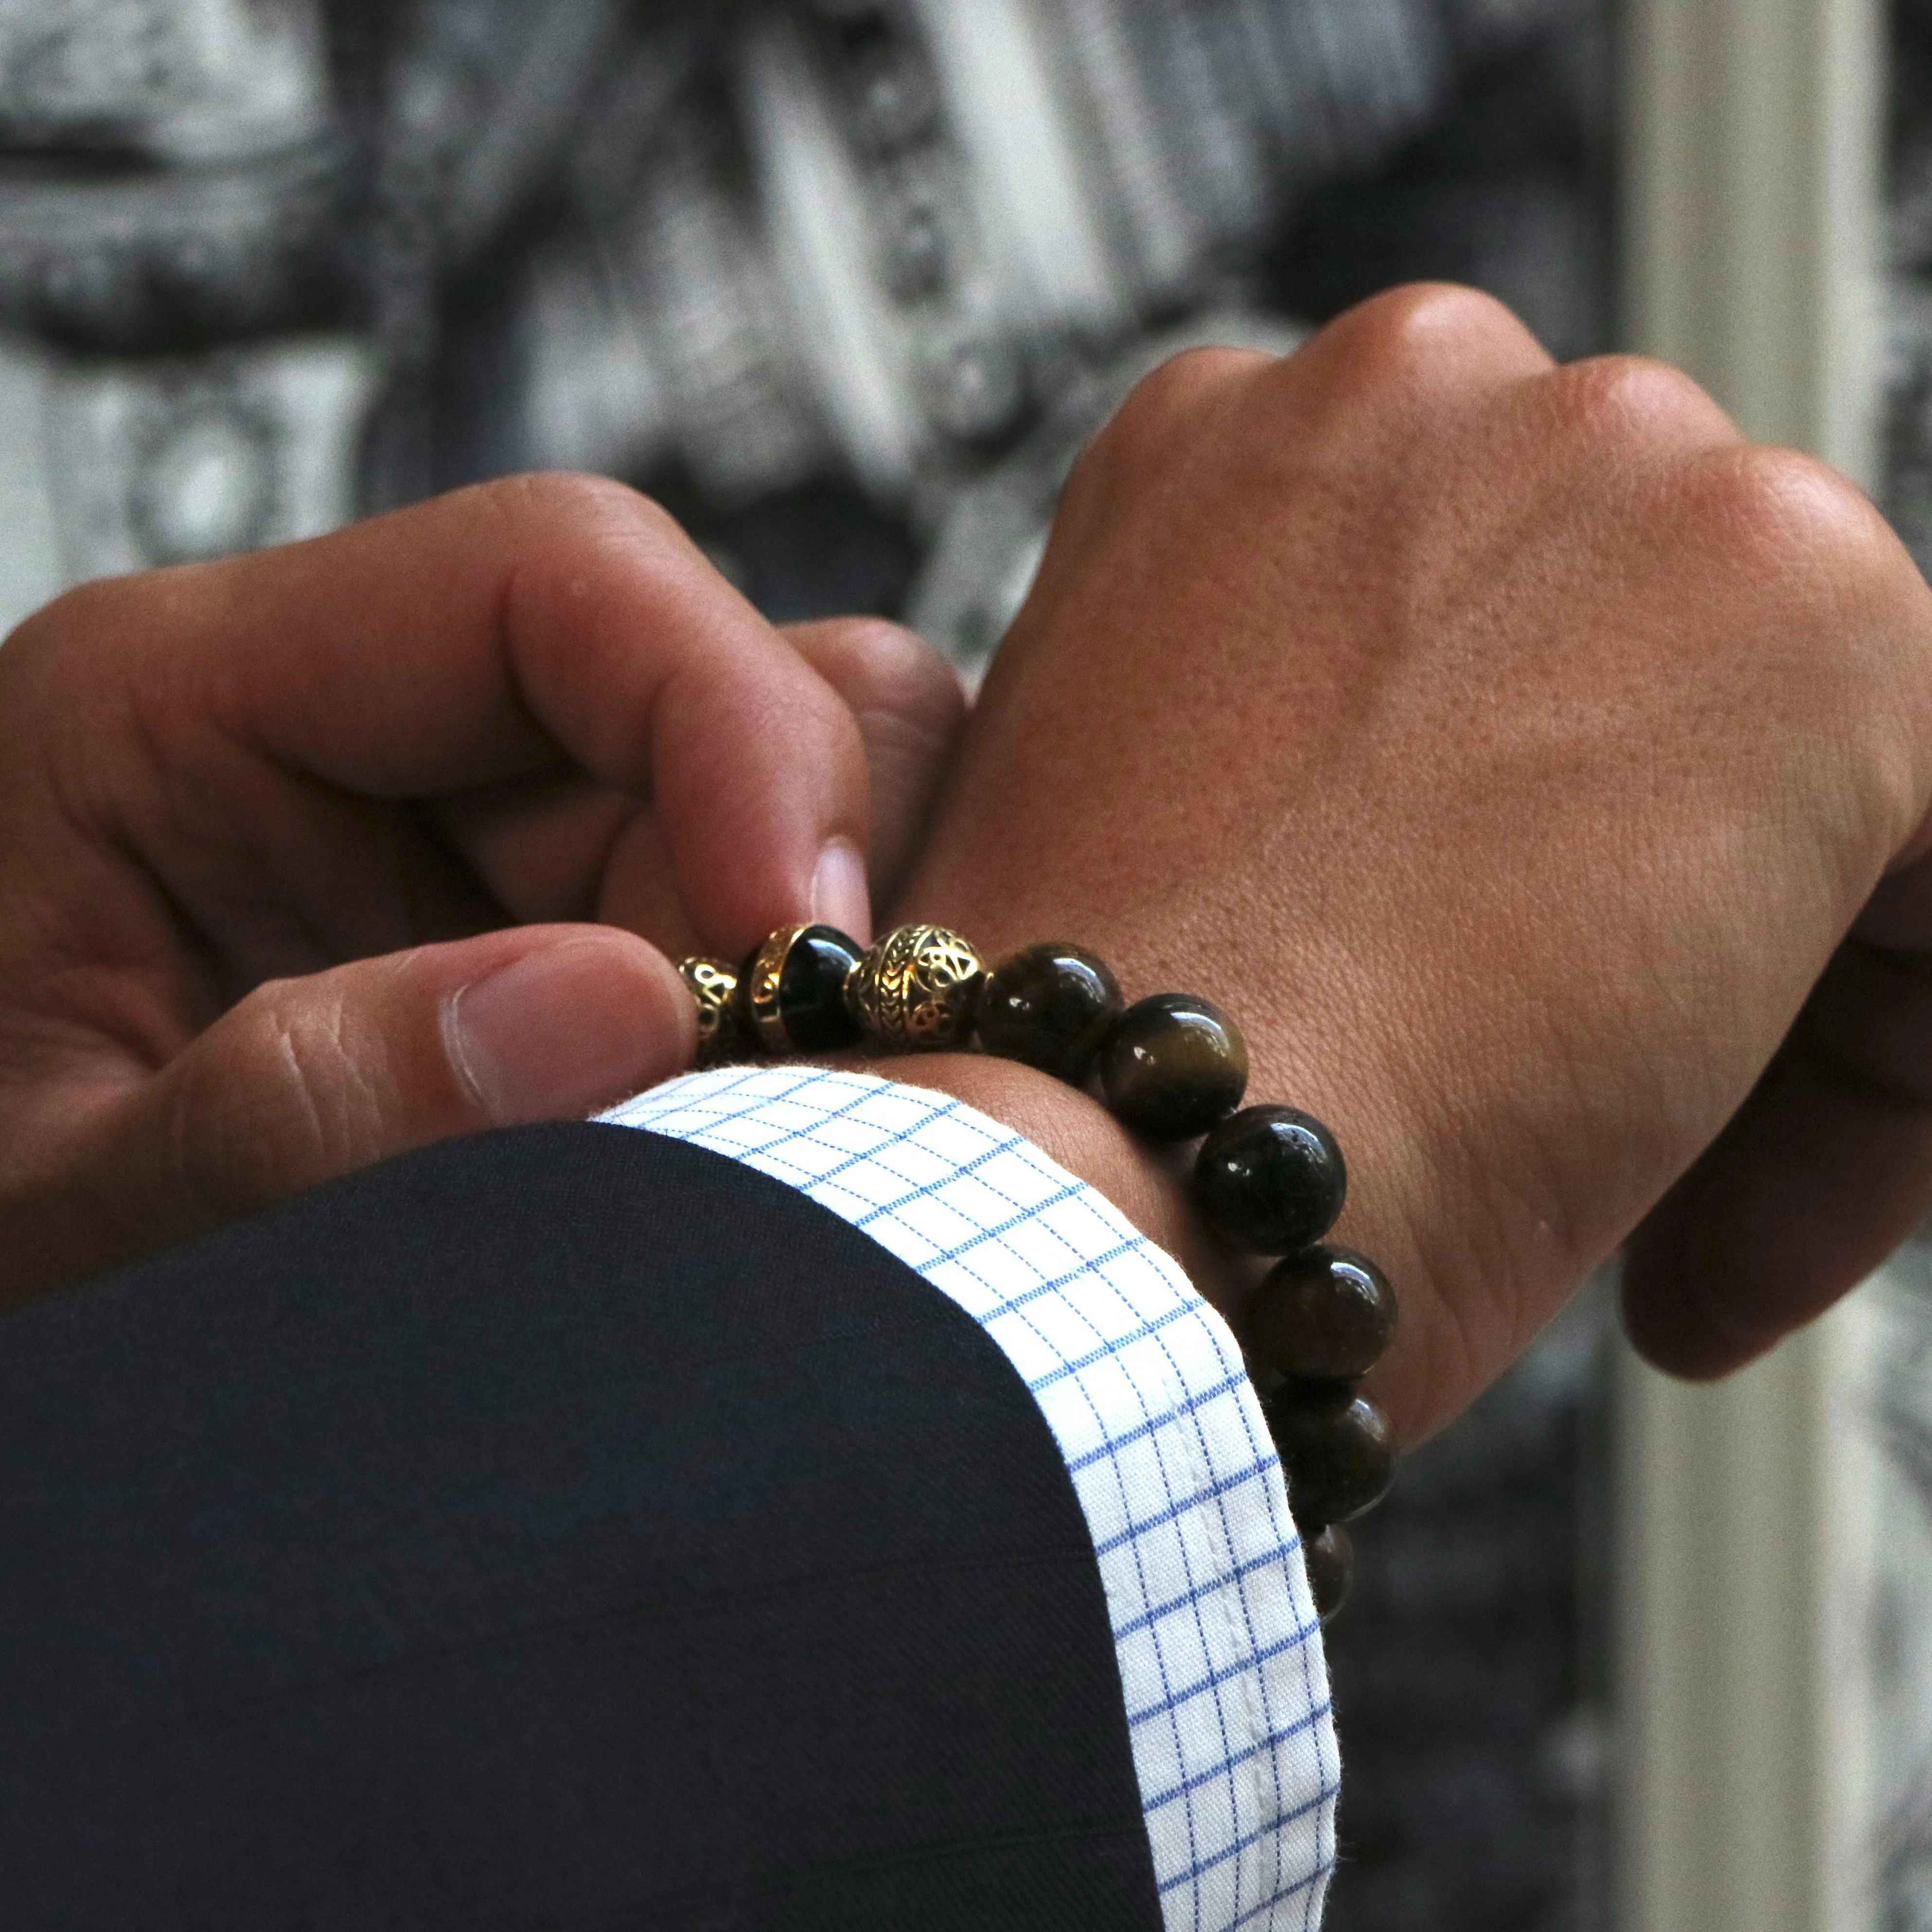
31 568
1745 1514
1745 1511
1751 137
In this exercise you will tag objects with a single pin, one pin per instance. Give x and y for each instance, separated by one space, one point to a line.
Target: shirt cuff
1221 1668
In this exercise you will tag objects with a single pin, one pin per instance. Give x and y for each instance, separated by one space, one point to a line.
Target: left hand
1511 749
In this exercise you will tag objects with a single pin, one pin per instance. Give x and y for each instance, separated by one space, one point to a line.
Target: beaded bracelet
1267 1180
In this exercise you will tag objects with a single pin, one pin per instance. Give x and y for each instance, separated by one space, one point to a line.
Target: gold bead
763 971
792 995
915 990
712 984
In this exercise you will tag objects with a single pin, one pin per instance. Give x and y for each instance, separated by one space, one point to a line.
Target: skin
317 855
1542 775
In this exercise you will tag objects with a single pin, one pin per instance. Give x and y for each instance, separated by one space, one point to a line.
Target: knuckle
577 503
1623 397
1174 388
1163 402
896 670
65 670
896 686
73 611
37 644
1408 332
868 651
79 617
1841 618
288 1102
1796 516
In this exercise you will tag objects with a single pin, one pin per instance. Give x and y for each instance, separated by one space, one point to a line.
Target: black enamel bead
1327 1313
1173 1066
1270 1181
791 991
1330 1558
1337 1448
1050 1008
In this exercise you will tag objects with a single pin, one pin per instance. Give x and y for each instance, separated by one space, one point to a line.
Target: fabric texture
566 1529
1221 1666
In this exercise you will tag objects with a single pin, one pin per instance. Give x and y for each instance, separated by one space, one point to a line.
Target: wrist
1421 1197
1262 1187
1266 1181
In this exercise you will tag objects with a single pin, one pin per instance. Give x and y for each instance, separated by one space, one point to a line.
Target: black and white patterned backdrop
848 283
845 281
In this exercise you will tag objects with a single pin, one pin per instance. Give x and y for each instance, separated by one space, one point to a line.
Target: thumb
306 1079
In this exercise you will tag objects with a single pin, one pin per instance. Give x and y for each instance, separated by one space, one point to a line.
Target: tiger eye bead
915 992
713 986
1270 1181
791 991
1049 1006
1328 1314
1337 1448
1330 1561
1173 1066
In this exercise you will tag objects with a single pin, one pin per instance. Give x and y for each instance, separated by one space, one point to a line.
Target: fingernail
839 894
568 1031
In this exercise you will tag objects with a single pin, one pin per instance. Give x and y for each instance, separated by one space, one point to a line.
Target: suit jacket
576 1527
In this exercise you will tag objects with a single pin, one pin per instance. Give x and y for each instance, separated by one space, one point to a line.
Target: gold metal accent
915 991
712 984
762 995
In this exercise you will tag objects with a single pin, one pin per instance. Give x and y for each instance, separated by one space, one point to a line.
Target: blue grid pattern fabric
1220 1656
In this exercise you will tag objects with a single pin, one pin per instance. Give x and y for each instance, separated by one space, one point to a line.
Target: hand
296 852
1511 749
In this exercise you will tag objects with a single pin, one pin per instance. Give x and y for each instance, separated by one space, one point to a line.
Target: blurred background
848 283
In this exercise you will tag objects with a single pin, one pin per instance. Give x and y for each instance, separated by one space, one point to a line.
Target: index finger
500 631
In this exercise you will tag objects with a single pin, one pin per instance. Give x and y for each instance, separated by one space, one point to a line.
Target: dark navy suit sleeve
566 1528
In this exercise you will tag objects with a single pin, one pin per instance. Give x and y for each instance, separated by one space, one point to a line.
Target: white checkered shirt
1220 1654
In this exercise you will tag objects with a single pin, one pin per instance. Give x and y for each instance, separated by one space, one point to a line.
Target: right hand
1511 749
314 856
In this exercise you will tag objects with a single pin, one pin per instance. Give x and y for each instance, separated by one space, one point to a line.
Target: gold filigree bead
915 990
758 988
712 984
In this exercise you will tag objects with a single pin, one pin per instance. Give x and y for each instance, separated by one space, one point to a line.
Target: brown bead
791 991
1330 1561
1173 1066
1328 1315
713 985
1270 1181
915 992
1337 1448
1049 1006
